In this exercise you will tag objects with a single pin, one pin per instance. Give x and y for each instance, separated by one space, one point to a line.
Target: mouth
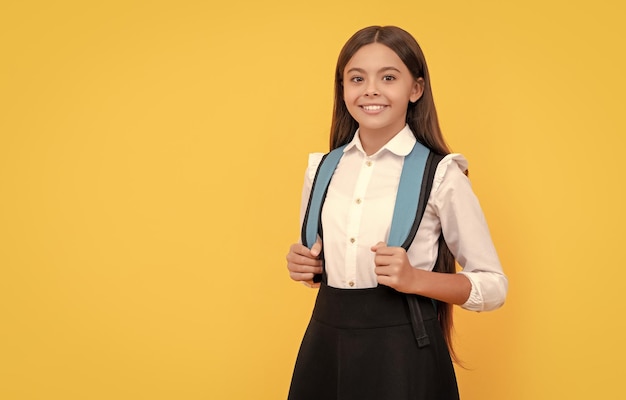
373 107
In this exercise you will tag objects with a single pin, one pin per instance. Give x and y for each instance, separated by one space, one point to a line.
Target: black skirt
360 345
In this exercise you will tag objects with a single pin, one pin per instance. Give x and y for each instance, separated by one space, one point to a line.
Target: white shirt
358 210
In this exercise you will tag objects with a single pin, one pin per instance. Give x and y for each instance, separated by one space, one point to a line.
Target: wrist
417 279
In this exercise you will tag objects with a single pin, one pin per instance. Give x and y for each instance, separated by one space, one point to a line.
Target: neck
374 140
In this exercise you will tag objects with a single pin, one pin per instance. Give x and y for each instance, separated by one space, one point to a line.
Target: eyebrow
383 69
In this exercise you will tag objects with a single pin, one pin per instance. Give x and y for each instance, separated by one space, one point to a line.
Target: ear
417 91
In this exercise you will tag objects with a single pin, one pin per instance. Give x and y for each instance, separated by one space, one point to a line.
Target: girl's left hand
393 268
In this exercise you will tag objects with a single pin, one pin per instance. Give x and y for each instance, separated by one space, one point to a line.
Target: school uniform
360 343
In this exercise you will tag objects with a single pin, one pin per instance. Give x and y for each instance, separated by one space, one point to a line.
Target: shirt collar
401 144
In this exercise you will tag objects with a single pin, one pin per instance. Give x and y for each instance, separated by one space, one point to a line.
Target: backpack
414 188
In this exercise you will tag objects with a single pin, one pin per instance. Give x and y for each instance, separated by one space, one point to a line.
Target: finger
311 284
388 250
296 260
385 281
301 277
297 255
307 269
304 260
317 248
300 249
382 261
377 246
382 271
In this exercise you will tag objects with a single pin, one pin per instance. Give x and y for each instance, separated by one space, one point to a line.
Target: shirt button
358 201
368 163
351 283
352 240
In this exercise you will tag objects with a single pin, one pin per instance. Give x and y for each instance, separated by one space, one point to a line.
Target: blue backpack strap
312 218
403 223
413 191
417 321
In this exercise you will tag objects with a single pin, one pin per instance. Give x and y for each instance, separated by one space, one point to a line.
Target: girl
381 326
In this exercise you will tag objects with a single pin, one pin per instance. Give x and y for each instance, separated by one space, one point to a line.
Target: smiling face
377 89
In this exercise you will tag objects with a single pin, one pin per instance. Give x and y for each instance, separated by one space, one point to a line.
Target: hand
303 263
393 268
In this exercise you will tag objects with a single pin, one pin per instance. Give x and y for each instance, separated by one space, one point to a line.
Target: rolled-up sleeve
466 232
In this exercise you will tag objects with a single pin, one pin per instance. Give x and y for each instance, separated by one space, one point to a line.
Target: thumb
378 246
316 249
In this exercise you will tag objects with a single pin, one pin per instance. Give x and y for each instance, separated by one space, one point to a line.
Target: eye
389 78
356 79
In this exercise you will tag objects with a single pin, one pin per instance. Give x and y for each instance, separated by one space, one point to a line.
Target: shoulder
450 169
313 163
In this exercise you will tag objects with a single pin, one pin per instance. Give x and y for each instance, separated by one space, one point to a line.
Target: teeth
373 108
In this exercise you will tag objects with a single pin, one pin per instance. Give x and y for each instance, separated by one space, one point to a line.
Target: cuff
475 300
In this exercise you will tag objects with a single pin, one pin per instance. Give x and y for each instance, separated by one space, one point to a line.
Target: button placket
355 211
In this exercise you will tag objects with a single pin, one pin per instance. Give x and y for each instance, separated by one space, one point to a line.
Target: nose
371 89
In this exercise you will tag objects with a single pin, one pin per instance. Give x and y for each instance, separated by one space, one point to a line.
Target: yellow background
151 159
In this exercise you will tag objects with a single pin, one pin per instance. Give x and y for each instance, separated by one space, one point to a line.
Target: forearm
449 288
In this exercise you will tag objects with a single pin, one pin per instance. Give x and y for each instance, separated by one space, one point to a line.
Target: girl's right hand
303 263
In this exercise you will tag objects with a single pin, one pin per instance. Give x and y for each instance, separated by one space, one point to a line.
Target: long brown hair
421 118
